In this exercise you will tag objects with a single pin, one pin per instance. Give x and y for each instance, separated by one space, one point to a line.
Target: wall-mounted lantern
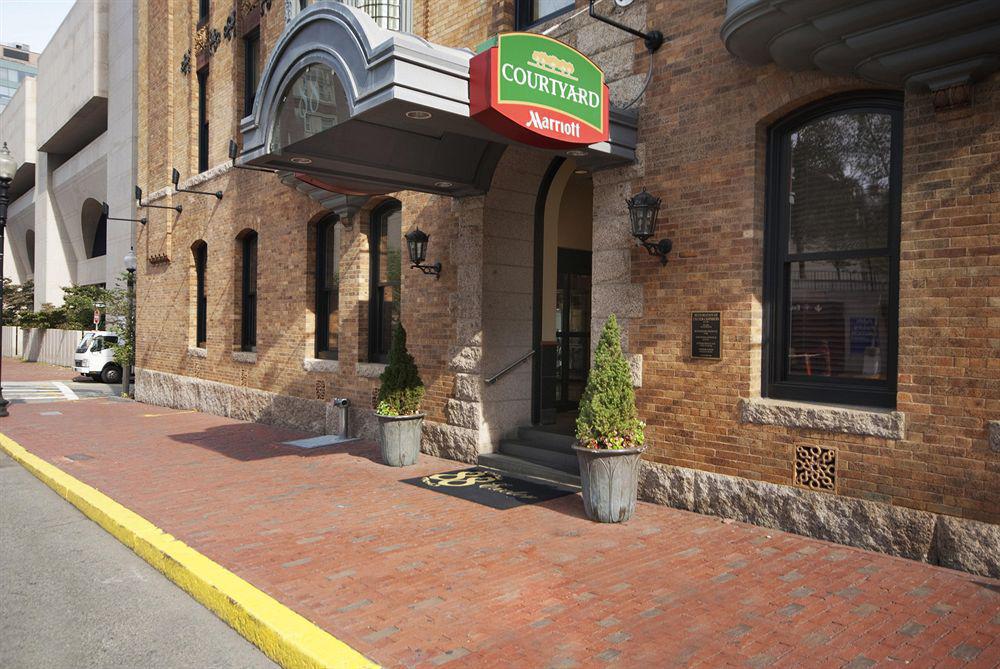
643 210
416 242
175 178
138 199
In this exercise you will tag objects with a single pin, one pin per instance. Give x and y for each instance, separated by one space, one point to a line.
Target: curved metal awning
919 44
350 107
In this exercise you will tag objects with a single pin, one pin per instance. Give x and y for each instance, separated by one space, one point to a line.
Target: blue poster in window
863 333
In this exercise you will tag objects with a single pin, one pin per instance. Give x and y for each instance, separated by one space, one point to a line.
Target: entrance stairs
538 454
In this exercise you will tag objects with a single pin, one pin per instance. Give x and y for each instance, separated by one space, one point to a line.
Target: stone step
526 469
540 438
555 458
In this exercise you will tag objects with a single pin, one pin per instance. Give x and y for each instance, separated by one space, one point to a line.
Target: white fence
55 347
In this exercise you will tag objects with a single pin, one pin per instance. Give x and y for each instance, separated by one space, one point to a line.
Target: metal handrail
503 372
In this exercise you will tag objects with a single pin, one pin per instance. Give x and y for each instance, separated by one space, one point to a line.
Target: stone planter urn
610 482
399 438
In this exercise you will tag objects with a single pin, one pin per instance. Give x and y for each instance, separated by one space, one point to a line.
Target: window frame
203 11
201 294
376 305
251 66
203 119
775 382
248 290
322 343
522 14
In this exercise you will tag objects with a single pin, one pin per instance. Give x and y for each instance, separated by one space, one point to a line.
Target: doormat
489 488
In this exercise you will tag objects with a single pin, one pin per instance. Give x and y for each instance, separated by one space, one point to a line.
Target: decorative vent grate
816 467
321 389
244 377
374 398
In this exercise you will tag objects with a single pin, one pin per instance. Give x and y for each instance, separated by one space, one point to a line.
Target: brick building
829 181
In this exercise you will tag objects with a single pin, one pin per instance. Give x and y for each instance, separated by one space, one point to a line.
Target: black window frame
201 297
203 119
523 12
203 10
376 302
323 292
248 290
251 65
775 382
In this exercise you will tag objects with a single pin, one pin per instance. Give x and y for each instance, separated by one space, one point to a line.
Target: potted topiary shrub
399 420
609 434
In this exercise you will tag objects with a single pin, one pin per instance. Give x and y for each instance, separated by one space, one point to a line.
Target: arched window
94 228
328 239
199 251
384 247
832 265
248 289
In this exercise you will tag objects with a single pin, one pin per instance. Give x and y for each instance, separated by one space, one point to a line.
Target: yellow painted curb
285 636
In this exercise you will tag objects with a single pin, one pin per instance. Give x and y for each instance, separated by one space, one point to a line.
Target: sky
32 22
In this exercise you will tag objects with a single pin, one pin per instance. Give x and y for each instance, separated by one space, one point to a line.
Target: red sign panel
539 91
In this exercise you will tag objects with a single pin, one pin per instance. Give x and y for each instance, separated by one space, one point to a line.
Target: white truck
95 357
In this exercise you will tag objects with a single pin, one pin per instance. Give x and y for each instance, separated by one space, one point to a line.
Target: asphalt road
73 597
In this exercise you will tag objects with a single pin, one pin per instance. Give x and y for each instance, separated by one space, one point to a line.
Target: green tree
608 417
17 300
401 389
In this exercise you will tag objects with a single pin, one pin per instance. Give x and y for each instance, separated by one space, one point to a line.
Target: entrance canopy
350 107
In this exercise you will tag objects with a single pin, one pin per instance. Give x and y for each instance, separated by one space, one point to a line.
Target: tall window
833 251
202 10
203 119
384 246
251 59
248 302
328 237
200 251
530 12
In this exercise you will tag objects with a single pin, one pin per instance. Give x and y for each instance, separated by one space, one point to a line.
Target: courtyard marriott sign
538 91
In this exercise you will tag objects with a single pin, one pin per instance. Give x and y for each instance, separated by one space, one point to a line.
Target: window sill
883 423
245 357
370 370
196 352
319 365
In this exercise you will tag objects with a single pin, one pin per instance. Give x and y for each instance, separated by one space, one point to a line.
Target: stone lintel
824 417
197 352
370 370
245 357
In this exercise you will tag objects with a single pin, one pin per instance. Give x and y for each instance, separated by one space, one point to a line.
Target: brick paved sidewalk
15 369
410 577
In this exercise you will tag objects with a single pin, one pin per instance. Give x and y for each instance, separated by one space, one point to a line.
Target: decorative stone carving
816 467
247 6
201 40
214 40
230 28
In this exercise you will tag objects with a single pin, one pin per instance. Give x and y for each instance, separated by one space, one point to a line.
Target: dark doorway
572 329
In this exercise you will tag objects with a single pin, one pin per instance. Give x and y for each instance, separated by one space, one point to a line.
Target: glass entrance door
572 328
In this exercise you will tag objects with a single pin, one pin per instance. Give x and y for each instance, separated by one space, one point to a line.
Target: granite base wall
967 545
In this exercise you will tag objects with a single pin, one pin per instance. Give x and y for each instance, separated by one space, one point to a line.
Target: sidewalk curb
283 635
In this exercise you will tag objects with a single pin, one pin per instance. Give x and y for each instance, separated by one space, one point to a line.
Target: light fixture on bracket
175 177
104 218
138 199
416 243
654 38
643 209
234 150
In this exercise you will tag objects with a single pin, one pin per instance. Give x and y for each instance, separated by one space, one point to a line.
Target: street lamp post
130 265
8 168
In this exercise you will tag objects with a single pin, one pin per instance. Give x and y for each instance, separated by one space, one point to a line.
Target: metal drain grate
816 467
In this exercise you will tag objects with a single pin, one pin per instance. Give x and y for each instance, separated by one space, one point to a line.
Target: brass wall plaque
706 334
